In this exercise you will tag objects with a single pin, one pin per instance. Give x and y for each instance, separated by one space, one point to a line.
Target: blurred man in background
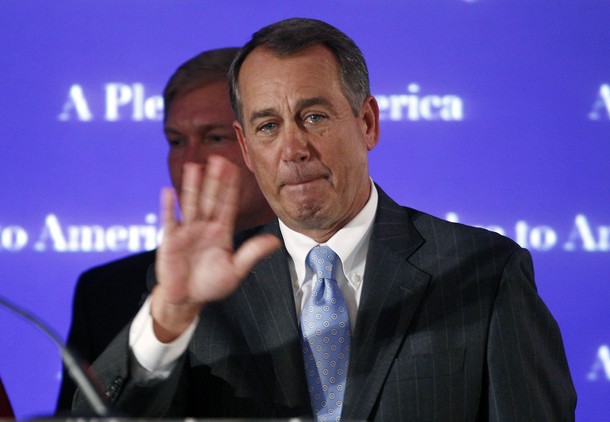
197 123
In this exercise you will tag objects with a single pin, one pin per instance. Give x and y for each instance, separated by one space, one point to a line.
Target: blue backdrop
494 114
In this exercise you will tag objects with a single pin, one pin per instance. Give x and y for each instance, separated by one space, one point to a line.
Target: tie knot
322 261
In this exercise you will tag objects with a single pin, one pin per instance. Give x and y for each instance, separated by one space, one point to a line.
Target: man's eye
174 143
314 118
267 127
219 137
216 138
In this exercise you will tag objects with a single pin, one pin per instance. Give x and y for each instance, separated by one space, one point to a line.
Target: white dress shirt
156 359
351 245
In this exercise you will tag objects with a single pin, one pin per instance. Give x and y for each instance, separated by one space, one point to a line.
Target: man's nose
195 153
295 144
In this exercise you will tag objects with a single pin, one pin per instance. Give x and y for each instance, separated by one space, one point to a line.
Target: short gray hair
293 35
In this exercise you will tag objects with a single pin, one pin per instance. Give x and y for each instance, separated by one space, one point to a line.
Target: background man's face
199 124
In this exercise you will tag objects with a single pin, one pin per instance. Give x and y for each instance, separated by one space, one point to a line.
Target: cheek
174 165
173 162
233 154
264 173
262 162
353 152
347 165
249 185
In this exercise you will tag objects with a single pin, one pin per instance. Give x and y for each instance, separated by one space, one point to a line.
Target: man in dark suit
363 309
197 122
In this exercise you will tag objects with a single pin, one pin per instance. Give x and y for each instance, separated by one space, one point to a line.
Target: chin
307 215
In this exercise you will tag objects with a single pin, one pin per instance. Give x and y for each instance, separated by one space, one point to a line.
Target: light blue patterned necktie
326 335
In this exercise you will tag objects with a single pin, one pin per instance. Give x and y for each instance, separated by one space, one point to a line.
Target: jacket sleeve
78 342
128 396
528 375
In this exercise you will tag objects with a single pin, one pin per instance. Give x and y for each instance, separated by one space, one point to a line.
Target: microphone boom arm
72 363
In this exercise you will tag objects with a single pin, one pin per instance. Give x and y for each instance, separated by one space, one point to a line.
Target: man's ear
241 138
369 115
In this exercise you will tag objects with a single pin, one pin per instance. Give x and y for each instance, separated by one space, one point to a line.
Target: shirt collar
352 253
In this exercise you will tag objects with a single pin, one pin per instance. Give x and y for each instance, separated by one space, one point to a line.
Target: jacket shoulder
127 267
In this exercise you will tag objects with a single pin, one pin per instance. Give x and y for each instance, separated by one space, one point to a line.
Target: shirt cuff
154 356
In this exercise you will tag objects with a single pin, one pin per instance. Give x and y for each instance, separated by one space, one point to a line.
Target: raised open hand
196 263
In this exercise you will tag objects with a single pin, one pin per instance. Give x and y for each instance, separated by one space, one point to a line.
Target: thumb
252 251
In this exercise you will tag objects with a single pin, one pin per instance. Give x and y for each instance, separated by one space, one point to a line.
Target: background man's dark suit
106 298
449 327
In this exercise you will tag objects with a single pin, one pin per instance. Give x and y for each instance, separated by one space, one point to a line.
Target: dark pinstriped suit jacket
449 328
106 298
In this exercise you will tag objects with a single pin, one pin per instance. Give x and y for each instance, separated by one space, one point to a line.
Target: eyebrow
301 104
262 113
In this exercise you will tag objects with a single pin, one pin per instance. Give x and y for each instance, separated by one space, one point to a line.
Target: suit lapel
391 291
271 330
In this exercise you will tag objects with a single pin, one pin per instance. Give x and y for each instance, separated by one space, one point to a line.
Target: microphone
82 377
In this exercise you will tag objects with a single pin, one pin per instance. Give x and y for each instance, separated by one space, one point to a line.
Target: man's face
302 141
199 124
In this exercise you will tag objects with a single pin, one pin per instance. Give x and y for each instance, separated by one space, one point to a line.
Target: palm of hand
196 263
